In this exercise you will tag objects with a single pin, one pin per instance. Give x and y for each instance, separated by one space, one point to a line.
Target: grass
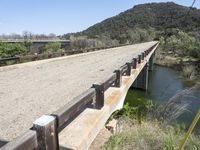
150 135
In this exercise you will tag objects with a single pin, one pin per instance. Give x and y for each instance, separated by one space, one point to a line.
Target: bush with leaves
83 42
14 49
52 47
182 43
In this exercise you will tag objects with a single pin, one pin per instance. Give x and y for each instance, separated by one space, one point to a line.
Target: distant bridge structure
38 44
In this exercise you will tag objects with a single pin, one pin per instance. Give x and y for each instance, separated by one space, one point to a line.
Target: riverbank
188 67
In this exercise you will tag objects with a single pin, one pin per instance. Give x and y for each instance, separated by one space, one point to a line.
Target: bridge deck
28 91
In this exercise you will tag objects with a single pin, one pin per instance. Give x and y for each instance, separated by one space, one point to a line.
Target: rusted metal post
47 135
128 71
139 59
118 80
99 88
142 55
134 63
145 54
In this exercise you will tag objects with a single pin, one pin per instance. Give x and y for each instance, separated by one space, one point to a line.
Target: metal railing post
128 71
134 63
99 101
143 55
47 135
118 80
139 59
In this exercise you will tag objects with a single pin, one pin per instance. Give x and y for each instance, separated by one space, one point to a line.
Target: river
163 84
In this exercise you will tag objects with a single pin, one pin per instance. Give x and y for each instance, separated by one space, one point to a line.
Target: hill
177 27
159 16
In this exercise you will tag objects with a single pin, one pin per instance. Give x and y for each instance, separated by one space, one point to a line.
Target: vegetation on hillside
175 25
181 51
82 42
160 16
182 43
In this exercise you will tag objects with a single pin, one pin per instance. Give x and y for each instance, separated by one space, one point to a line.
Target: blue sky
62 16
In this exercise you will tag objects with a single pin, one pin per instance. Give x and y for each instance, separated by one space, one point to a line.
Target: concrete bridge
61 87
38 44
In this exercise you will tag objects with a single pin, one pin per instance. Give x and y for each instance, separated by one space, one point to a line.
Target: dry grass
149 136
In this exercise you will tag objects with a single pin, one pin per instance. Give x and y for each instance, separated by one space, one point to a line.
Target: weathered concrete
151 62
81 132
30 90
142 80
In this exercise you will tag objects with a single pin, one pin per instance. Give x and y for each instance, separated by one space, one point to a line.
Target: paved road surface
28 91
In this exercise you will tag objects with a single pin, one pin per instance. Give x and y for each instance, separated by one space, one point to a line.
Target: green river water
163 84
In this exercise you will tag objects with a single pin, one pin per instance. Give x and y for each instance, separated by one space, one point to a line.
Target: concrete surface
30 90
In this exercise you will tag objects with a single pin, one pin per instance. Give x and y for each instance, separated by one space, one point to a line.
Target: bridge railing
45 131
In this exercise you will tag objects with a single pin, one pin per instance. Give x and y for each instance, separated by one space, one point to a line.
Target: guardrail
43 135
28 58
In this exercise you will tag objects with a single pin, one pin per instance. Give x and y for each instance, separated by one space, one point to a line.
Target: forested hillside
153 16
176 26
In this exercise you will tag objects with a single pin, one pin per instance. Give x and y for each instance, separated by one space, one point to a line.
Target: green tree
182 43
13 49
52 47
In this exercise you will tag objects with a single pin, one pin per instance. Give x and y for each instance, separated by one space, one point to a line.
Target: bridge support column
142 80
151 62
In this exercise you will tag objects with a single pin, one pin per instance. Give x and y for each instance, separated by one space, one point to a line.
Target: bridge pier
142 80
151 62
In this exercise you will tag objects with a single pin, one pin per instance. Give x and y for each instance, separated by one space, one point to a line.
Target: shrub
51 47
188 71
13 49
195 52
181 43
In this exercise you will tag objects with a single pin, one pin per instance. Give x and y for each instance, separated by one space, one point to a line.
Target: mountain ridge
159 16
